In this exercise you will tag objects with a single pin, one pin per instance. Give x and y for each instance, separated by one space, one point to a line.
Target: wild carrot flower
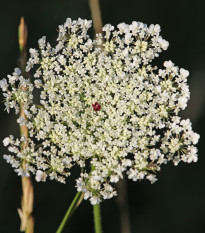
103 107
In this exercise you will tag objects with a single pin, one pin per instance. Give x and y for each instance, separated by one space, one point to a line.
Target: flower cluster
103 107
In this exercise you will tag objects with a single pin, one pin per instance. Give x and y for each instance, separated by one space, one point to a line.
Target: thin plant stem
122 202
75 203
25 213
96 15
97 218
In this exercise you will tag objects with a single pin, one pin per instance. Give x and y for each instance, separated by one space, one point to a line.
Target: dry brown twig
25 213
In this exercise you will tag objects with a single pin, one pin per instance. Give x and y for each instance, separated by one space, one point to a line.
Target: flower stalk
75 203
97 218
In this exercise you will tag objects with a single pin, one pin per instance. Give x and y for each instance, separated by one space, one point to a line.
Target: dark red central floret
96 106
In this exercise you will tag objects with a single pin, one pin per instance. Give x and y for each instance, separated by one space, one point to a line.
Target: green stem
97 218
76 201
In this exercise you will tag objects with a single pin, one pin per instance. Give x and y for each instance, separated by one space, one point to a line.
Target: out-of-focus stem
22 36
25 213
96 15
123 206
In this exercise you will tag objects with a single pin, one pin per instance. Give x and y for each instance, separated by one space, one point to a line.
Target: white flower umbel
102 105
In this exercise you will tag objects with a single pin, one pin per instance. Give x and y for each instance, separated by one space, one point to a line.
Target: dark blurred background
176 202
